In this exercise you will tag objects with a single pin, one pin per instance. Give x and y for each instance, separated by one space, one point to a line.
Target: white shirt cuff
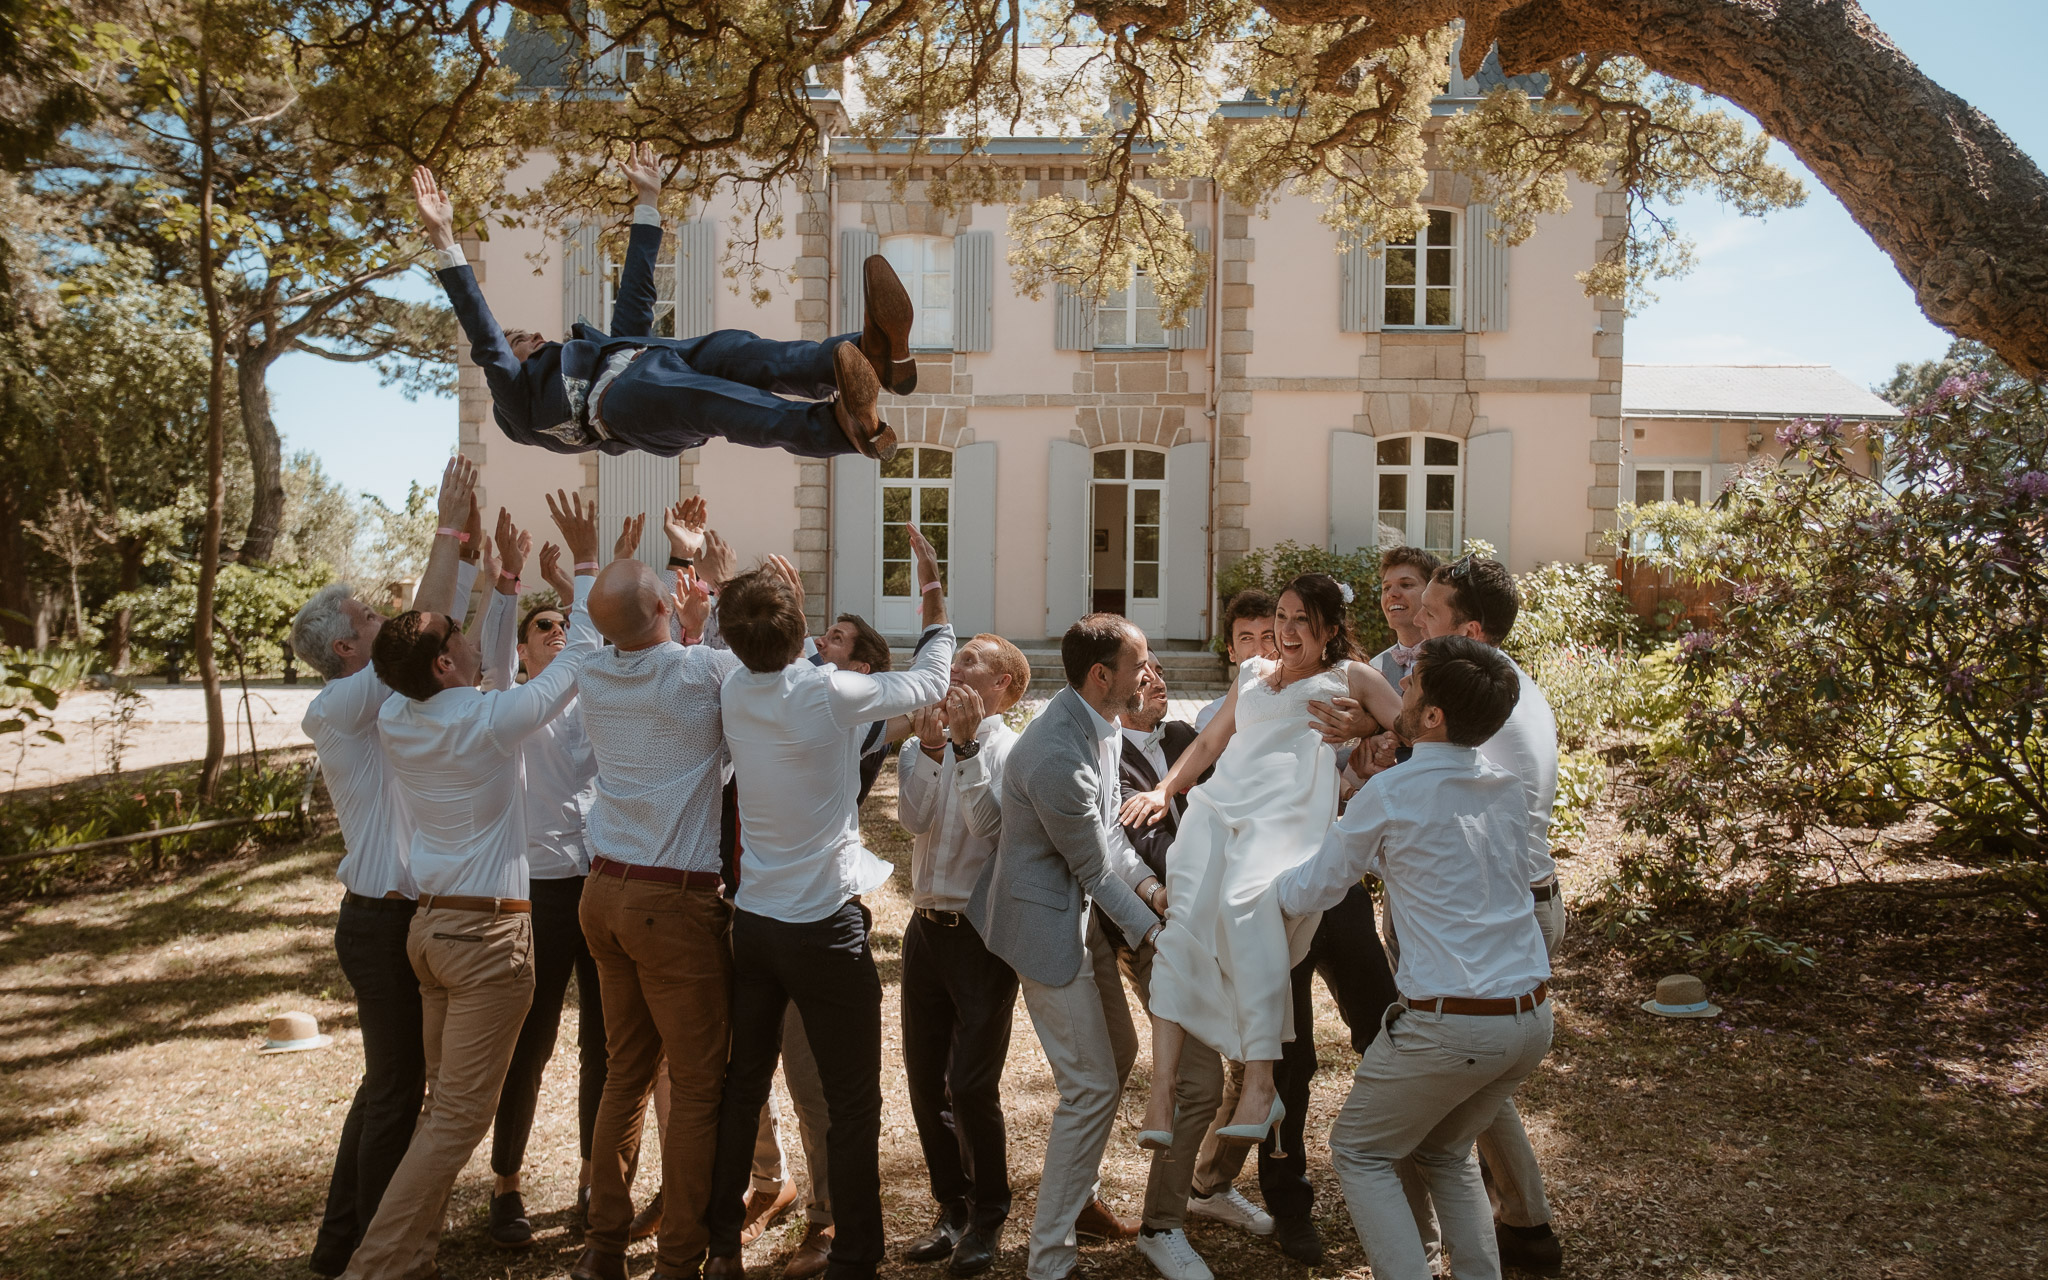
451 257
646 215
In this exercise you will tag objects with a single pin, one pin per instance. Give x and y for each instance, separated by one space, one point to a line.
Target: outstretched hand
715 566
514 544
1144 809
551 573
692 602
437 211
786 571
577 523
643 170
684 525
964 714
458 490
629 537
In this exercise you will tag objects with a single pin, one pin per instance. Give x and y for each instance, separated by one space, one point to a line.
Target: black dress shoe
1298 1239
509 1227
976 1251
937 1244
1535 1249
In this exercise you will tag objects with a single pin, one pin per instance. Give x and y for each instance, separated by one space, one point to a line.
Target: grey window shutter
971 594
1354 495
1066 537
1361 286
631 484
974 279
1195 333
856 246
582 276
856 529
696 278
1489 490
1486 272
1187 540
1073 324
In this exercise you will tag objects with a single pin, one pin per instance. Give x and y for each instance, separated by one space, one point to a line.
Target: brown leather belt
948 919
1543 892
1481 1008
661 875
456 902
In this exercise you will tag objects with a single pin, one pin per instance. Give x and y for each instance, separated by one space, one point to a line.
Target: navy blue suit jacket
541 401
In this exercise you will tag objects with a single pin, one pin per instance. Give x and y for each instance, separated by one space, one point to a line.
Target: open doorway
1127 551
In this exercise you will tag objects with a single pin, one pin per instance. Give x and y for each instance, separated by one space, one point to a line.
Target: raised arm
437 590
917 774
500 640
979 779
633 312
1145 808
516 713
488 345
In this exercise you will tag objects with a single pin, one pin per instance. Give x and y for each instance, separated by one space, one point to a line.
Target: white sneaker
1229 1205
1173 1257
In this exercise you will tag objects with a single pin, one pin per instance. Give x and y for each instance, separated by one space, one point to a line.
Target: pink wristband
446 531
932 586
591 565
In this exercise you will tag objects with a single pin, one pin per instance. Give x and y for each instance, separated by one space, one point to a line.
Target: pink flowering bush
1883 652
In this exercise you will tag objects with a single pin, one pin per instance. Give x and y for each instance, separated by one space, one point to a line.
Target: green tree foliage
252 611
1883 650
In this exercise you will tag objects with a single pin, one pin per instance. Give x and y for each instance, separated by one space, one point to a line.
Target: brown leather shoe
1098 1223
594 1265
648 1220
885 329
733 1268
811 1257
765 1211
855 407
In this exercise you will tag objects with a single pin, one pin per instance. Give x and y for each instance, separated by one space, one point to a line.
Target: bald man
653 911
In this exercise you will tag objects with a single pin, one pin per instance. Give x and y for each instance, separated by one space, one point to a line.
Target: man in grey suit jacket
1061 851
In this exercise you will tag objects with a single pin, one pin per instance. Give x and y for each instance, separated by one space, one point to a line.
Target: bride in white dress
1220 972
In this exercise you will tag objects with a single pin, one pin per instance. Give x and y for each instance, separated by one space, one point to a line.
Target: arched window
1421 492
1422 284
917 488
925 265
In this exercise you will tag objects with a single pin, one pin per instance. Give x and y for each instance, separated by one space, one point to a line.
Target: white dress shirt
1526 747
457 758
1148 745
795 738
1130 868
561 773
1447 832
655 730
376 830
954 809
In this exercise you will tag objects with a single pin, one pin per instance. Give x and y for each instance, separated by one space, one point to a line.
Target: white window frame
933 325
1416 513
1118 309
1666 470
664 322
1148 613
1419 289
903 614
616 63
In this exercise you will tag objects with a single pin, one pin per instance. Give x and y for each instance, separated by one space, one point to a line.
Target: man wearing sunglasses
630 390
454 750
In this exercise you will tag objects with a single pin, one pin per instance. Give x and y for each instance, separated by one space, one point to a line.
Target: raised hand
1143 809
514 544
929 724
437 211
964 714
692 602
715 566
786 571
551 573
643 170
473 531
490 567
458 489
629 537
577 523
684 525
927 559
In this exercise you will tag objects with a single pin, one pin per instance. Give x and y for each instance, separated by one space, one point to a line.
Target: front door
917 488
1127 559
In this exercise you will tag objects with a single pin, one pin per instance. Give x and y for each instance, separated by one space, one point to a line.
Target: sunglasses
1460 569
549 624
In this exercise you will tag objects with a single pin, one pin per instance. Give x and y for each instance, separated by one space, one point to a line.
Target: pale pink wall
1547 514
1023 438
1289 467
1294 276
1550 318
752 496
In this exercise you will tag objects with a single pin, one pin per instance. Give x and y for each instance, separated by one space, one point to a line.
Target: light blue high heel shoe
1158 1139
1252 1134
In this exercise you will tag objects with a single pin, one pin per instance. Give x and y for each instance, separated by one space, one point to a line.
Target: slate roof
1745 391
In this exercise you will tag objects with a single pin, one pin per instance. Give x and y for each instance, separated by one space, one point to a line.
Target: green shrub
59 668
1270 569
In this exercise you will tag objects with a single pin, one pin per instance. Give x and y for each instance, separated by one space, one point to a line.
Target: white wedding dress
1221 970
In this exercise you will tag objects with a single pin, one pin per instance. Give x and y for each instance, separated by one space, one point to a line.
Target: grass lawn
1882 1118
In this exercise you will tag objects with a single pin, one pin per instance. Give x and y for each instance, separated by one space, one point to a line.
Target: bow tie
1150 738
1404 654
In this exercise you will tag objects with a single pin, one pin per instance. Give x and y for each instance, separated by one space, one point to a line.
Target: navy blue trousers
728 385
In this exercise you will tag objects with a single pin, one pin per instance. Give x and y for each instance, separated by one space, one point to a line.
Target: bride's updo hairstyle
1323 597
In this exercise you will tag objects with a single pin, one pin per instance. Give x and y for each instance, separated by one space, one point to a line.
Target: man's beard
1408 725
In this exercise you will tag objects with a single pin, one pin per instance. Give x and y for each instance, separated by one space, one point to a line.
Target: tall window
917 488
1130 317
925 264
1422 276
664 288
1419 498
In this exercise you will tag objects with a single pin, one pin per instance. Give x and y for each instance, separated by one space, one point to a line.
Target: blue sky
1803 285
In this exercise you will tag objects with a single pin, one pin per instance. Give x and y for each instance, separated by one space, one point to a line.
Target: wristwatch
968 752
681 562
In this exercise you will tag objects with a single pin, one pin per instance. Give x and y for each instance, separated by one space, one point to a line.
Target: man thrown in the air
630 390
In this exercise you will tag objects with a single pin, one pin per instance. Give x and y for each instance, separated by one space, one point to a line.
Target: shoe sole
858 386
888 305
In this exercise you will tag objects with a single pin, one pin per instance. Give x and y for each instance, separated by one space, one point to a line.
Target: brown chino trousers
476 981
664 968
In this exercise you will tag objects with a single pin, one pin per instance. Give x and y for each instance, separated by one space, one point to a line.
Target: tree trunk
16 624
266 455
216 426
120 635
1961 210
